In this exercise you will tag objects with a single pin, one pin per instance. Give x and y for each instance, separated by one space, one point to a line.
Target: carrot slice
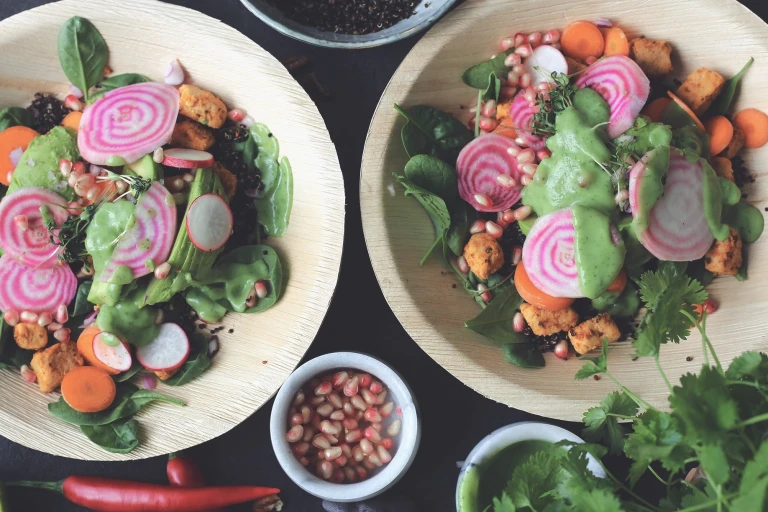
655 109
13 138
687 110
85 347
619 283
616 42
754 124
506 128
536 297
720 132
88 389
582 39
72 120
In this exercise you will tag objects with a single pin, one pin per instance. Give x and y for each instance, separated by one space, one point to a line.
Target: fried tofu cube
52 364
575 66
228 180
163 375
700 89
484 255
191 135
202 106
30 336
723 167
590 334
654 56
736 144
544 323
725 257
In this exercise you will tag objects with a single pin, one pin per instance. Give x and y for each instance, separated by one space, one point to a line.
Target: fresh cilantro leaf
749 364
601 427
596 500
578 480
714 463
753 491
504 504
599 364
531 482
656 436
698 497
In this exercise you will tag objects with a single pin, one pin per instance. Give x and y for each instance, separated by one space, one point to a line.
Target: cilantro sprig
551 104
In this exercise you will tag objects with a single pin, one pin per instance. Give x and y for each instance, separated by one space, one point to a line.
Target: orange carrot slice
655 109
11 139
754 124
72 120
720 132
534 296
85 347
88 389
506 128
687 110
582 39
619 283
616 42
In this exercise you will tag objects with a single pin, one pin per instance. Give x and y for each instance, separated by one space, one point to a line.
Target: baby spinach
15 116
462 217
196 364
118 437
4 337
524 355
273 208
429 131
435 208
485 76
127 375
11 356
723 102
81 305
82 53
495 321
117 81
435 176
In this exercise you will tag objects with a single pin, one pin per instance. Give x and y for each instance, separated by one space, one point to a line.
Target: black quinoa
48 112
348 16
544 343
741 175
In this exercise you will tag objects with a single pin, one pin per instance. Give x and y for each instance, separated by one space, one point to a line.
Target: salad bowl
257 352
430 301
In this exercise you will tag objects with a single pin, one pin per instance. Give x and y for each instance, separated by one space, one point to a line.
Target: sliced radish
40 290
544 61
117 357
623 85
128 123
167 351
677 227
187 158
30 246
548 255
522 114
150 238
209 222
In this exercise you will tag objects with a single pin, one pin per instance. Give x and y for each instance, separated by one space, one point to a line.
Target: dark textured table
454 416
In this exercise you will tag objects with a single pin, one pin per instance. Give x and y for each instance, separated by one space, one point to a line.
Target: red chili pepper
183 471
107 495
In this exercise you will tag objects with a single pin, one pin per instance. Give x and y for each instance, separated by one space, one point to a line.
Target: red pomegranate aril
350 474
341 460
348 409
326 427
394 428
306 413
295 434
352 386
321 442
337 415
386 409
520 38
517 255
524 50
304 461
370 466
338 476
362 474
346 450
518 322
508 216
526 156
309 433
535 38
335 400
339 378
493 229
332 453
523 212
324 469
488 124
367 446
376 387
372 435
357 453
324 389
349 424
315 420
553 36
512 60
316 400
297 419
358 403
483 200
561 349
331 438
378 427
381 397
365 379
477 227
372 415
383 454
301 449
325 410
709 306
543 154
387 443
368 396
375 460
353 436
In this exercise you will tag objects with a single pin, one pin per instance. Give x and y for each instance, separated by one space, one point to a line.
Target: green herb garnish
137 185
71 236
549 105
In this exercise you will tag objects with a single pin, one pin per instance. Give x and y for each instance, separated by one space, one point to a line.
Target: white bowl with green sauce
492 461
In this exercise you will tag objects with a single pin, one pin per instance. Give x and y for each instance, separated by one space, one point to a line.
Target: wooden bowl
144 36
398 232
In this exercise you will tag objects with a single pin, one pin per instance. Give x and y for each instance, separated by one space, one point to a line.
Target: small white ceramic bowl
405 449
499 439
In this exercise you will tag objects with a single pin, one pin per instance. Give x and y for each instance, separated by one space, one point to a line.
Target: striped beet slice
623 85
128 123
478 167
39 290
522 114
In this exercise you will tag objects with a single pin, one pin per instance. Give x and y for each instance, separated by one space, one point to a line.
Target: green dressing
746 219
650 186
102 235
599 250
39 165
129 319
713 203
730 193
618 305
648 136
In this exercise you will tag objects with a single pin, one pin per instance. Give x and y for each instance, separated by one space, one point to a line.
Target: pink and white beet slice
117 357
39 290
522 114
168 351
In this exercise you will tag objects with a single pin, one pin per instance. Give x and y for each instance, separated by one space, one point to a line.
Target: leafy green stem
707 504
704 338
753 420
639 401
624 488
477 114
658 477
431 250
661 372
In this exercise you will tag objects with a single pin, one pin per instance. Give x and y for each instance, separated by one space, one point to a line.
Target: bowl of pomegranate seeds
345 427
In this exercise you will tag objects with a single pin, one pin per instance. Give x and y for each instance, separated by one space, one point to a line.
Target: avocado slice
147 168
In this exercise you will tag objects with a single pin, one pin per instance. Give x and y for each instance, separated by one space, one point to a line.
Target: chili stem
49 486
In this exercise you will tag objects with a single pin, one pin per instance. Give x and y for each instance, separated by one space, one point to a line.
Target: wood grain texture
144 36
398 232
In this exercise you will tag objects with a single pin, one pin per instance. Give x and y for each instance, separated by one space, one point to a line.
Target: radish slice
522 114
548 255
31 247
677 228
117 357
149 239
167 351
187 158
623 85
40 290
478 167
128 123
15 156
544 61
209 222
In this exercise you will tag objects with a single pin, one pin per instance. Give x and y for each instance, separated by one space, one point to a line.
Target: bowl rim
346 41
410 436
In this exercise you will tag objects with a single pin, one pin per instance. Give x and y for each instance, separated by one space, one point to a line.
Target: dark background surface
454 417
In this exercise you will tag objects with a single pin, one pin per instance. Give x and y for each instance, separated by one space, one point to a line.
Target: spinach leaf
435 208
11 356
126 375
485 76
273 209
433 132
81 305
82 53
196 364
435 176
462 217
723 102
4 337
494 88
524 355
495 321
118 437
117 81
15 116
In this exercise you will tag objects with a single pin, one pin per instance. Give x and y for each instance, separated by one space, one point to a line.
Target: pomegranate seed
28 317
507 216
383 454
561 349
520 38
358 403
338 425
493 229
352 386
394 428
72 102
158 156
325 410
341 460
477 227
550 37
62 315
353 436
369 396
22 222
348 409
506 181
357 452
324 389
53 327
462 265
350 474
524 50
321 442
517 255
381 397
65 167
483 200
304 461
237 115
27 374
44 319
260 286
338 476
556 46
315 420
346 450
349 424
535 38
543 154
162 270
297 419
543 88
519 69
386 409
513 60
525 81
316 400
488 124
309 433
590 60
362 474
366 445
93 193
621 196
300 449
306 413
523 212
324 470
365 379
338 379
507 43
387 443
372 435
375 460
372 415
525 180
489 108
326 427
370 466
529 169
337 415
518 322
332 453
294 434
376 387
11 317
526 156
78 168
